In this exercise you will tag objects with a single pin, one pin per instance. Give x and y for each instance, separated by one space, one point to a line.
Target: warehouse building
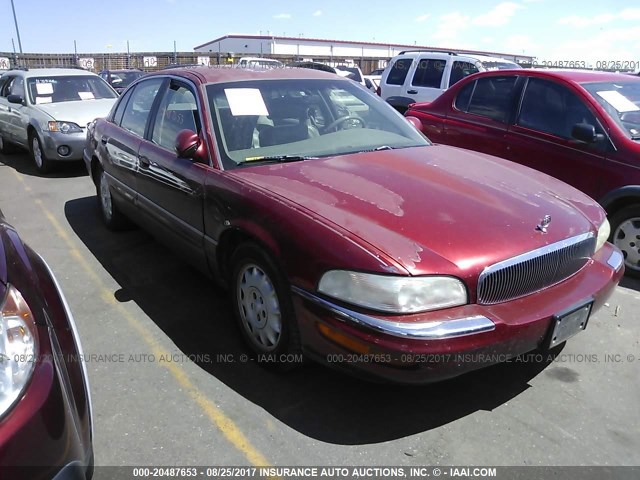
368 55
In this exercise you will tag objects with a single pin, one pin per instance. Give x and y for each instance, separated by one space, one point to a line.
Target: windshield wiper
276 159
635 137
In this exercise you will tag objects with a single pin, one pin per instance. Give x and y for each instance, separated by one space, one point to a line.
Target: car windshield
124 79
301 118
621 101
501 65
55 89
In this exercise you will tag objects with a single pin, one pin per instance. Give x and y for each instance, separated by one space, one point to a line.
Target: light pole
15 19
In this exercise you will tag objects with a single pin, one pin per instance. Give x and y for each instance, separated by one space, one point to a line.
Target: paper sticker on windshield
40 100
245 101
618 101
86 95
44 88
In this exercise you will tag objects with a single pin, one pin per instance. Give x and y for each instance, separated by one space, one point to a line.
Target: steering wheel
341 120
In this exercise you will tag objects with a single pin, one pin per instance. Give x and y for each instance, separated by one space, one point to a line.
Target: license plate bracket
569 322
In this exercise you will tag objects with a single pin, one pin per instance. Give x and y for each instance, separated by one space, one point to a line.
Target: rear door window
136 113
493 97
399 71
429 73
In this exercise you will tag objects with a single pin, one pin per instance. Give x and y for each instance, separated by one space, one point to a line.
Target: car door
5 82
428 80
120 138
541 136
170 189
480 114
11 114
392 82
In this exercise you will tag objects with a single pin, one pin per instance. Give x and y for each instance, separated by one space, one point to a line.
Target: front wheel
40 160
263 308
625 227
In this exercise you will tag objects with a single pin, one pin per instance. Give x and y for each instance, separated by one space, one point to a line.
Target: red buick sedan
581 127
341 232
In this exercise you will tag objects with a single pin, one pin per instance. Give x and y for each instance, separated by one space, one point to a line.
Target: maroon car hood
433 209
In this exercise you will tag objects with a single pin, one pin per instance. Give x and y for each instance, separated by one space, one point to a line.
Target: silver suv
421 76
47 111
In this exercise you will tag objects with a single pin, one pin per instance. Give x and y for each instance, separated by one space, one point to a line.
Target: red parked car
341 232
45 405
581 127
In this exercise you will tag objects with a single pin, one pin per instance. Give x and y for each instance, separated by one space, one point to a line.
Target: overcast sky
547 29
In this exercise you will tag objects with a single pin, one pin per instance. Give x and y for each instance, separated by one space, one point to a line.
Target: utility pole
15 19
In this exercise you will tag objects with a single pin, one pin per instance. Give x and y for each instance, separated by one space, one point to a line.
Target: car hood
434 209
80 112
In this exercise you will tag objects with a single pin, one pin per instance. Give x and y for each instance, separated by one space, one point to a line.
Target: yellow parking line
228 428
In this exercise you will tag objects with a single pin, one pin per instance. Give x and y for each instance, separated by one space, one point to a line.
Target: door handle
412 92
104 140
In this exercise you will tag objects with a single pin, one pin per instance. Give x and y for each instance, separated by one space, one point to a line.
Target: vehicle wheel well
228 244
31 131
95 164
621 203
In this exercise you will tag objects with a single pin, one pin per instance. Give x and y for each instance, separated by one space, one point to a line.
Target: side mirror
586 133
415 121
187 143
17 99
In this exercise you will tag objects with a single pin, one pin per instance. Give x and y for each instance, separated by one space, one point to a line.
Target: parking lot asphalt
171 386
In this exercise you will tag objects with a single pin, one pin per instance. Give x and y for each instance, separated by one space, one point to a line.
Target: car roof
52 72
573 76
221 74
454 55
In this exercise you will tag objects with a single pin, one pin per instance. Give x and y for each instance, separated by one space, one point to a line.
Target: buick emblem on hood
544 223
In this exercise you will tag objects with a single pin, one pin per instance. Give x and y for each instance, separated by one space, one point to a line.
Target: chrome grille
534 271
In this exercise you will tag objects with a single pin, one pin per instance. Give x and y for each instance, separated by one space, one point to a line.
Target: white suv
421 76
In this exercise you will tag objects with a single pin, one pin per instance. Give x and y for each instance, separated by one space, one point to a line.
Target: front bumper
51 141
433 346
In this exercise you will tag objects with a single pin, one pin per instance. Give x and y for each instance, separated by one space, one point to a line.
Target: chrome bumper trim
616 260
432 330
76 337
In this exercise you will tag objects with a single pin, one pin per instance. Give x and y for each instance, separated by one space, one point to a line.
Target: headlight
64 127
603 234
18 347
393 294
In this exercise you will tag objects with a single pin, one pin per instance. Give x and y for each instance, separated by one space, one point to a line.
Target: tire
111 215
262 306
6 147
625 234
42 163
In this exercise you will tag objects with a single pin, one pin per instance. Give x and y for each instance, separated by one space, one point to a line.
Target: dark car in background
341 232
121 79
45 404
579 126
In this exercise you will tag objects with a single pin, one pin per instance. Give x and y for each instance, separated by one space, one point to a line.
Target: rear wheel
111 215
625 225
40 160
263 307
